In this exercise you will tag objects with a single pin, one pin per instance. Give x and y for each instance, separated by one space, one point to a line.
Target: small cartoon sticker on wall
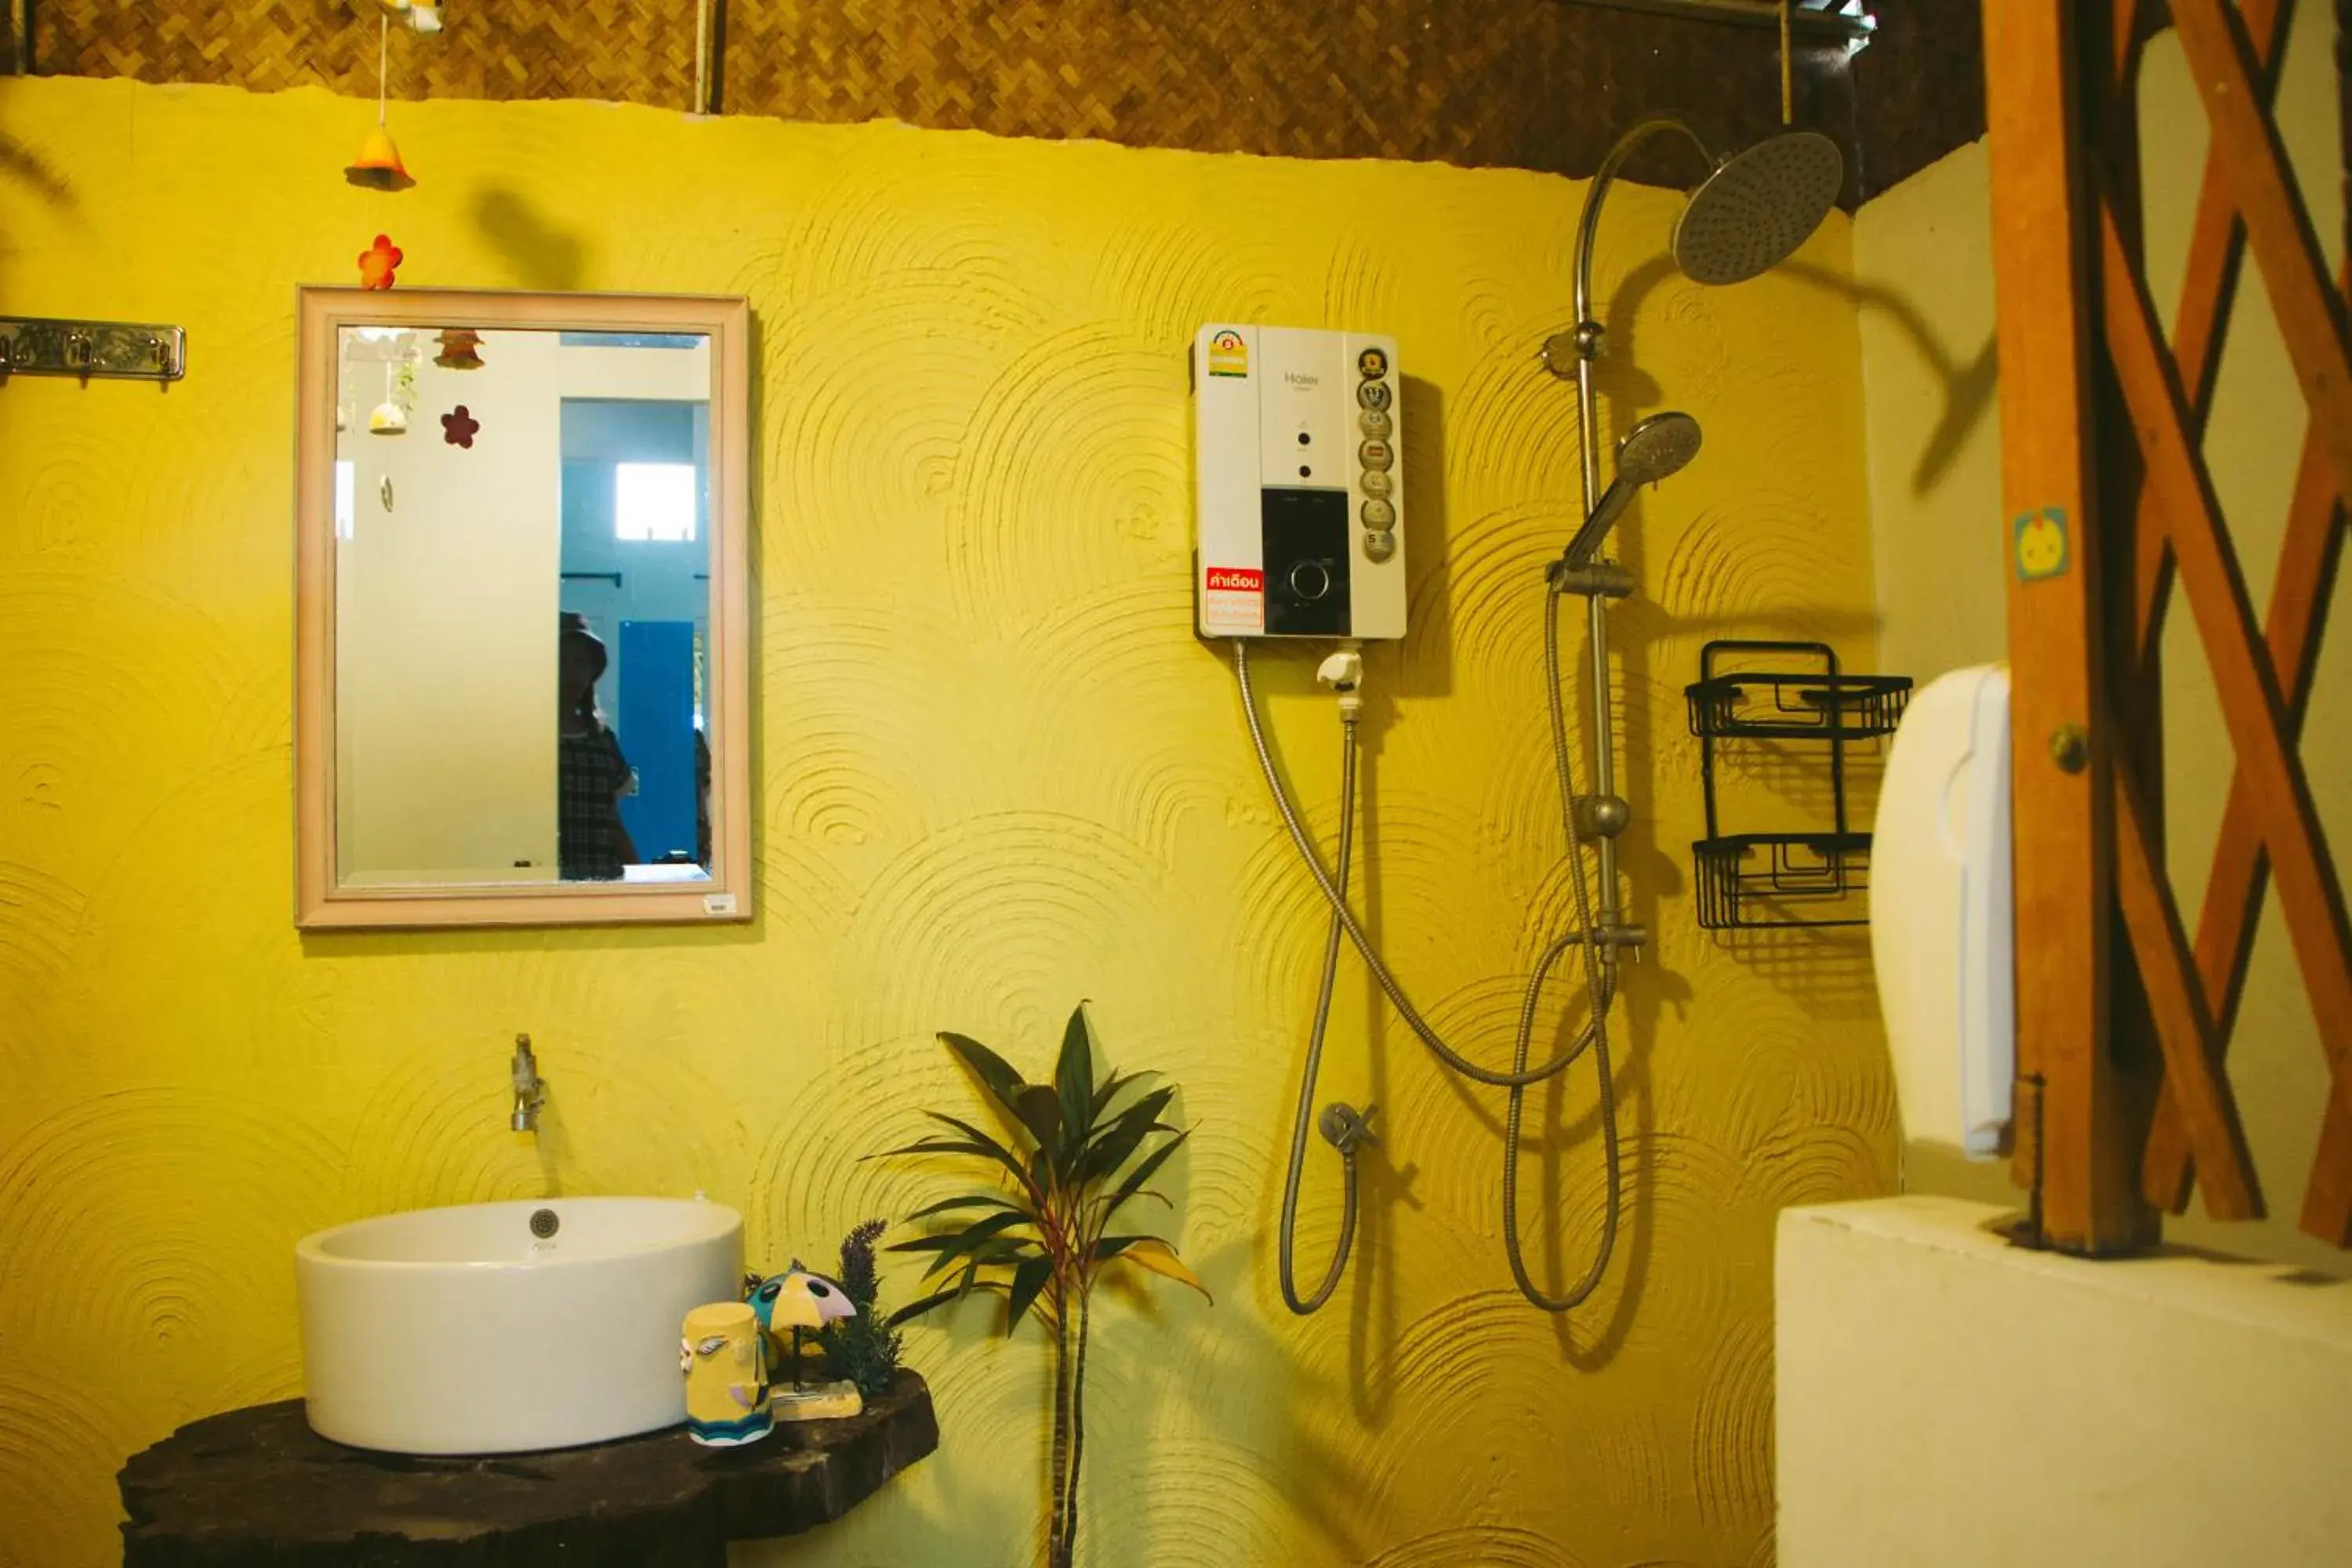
379 261
458 427
2041 541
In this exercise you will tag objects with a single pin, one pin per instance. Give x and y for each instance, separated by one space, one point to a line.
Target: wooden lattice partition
2125 1010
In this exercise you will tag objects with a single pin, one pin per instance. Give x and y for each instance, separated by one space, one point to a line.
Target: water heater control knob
1310 580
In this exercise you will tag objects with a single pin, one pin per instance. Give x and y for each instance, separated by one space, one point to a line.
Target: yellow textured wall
996 773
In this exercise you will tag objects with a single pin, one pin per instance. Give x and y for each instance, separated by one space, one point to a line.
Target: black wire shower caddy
1752 879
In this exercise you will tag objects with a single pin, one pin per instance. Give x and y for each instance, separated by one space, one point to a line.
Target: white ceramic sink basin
462 1330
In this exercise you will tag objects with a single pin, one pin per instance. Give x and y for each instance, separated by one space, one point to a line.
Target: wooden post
2082 1119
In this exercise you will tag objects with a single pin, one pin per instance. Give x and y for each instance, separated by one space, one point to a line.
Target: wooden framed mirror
523 600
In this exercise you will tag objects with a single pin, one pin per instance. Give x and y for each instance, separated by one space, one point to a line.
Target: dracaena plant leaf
1113 1083
931 1145
983 1145
1041 1114
953 1244
1027 1280
1003 1084
1144 1172
1070 1149
913 1309
992 1252
937 1299
963 1201
1073 1079
1117 1143
1148 1252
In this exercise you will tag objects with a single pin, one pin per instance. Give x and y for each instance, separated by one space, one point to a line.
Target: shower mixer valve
1345 1128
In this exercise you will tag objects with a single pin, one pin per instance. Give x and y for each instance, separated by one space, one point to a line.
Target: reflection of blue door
656 714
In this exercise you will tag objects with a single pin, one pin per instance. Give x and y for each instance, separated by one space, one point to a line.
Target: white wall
445 626
1923 273
1949 1401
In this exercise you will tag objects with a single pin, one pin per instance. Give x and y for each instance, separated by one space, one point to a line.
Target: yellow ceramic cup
726 1370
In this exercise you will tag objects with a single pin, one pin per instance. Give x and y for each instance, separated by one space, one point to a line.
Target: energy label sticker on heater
1233 599
1228 353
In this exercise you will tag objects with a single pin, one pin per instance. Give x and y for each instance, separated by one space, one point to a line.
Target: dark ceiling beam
1919 90
1812 24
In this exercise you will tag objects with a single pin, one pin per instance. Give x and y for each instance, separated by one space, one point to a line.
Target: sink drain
543 1224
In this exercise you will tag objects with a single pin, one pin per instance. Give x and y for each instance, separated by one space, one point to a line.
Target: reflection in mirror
522 613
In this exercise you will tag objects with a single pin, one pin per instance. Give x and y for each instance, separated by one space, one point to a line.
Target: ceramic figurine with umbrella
800 1300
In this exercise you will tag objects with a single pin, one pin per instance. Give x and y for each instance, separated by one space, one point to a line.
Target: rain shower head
1757 207
1652 450
1749 215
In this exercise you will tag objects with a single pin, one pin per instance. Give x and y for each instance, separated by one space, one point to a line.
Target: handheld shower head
1652 450
1757 207
1657 448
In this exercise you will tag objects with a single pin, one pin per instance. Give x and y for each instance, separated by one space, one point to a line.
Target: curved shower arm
1587 344
1603 178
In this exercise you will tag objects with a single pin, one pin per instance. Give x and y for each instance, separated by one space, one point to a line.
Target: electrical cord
1599 989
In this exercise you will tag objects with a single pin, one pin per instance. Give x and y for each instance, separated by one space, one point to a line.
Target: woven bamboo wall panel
635 50
1529 83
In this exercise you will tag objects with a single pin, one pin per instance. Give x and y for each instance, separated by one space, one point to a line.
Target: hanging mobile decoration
378 167
389 417
458 427
379 261
416 17
461 349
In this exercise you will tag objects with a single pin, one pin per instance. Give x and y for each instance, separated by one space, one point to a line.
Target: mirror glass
522 617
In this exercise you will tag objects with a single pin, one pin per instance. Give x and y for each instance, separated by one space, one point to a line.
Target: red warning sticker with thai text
1233 600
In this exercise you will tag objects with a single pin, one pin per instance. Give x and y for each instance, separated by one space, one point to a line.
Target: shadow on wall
1423 665
1968 387
1832 971
1162 1515
1141 1501
20 165
542 256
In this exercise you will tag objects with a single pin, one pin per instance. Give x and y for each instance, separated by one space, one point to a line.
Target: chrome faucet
529 1088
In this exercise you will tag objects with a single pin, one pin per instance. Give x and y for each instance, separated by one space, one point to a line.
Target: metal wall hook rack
114 351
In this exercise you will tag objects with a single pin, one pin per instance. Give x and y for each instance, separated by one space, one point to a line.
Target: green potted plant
863 1349
1079 1151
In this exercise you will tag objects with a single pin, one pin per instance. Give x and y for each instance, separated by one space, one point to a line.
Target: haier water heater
1300 481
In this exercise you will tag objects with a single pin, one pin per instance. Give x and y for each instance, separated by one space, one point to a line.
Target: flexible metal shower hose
1285 1256
1599 989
